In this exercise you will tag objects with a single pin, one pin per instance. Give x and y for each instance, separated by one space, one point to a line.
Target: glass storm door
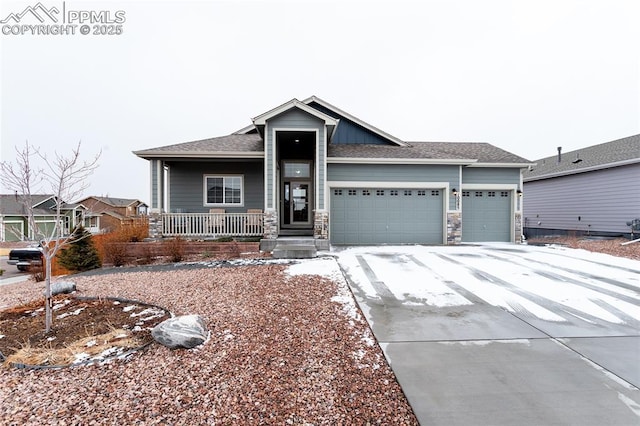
297 206
297 196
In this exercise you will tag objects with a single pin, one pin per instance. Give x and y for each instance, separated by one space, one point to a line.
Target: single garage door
386 216
486 216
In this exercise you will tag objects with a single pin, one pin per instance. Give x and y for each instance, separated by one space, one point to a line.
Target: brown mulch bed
613 247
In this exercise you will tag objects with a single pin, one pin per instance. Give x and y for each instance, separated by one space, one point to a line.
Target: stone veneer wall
155 225
321 224
518 228
454 228
270 231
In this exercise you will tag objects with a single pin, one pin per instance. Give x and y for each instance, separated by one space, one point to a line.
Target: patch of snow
76 312
51 339
324 266
148 314
1 336
633 406
91 343
115 302
81 357
61 305
129 308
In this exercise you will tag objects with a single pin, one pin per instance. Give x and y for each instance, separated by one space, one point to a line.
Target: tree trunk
47 294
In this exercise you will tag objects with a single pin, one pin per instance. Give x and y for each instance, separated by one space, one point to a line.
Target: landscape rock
187 331
62 287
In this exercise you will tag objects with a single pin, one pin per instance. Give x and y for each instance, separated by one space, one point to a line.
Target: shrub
175 249
81 254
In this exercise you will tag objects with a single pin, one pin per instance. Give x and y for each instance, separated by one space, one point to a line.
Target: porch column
157 186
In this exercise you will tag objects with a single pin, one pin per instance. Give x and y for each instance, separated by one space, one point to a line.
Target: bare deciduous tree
65 177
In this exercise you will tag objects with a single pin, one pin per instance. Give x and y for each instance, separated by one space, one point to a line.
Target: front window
223 190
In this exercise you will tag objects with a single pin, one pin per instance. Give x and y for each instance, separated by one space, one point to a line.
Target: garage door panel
486 216
387 216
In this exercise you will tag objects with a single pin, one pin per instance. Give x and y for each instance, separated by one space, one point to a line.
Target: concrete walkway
504 334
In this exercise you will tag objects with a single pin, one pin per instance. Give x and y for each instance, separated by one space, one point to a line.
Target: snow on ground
575 283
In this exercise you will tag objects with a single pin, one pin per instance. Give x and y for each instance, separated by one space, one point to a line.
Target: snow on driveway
550 283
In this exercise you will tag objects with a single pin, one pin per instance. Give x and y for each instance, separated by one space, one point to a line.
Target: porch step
294 251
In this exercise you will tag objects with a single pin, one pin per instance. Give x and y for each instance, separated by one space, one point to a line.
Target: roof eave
372 160
582 170
503 165
199 154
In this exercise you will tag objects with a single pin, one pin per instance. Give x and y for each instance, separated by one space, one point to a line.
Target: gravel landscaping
285 347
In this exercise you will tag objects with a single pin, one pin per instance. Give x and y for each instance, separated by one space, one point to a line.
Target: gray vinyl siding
489 175
396 173
605 199
298 119
187 180
349 132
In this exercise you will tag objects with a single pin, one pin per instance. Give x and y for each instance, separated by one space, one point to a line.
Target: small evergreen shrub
81 254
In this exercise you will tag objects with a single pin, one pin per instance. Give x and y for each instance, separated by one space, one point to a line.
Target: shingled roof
609 154
252 145
471 152
10 205
247 144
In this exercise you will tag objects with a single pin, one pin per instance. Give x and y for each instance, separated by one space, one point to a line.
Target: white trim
262 119
489 186
387 184
356 120
361 160
245 130
502 165
223 177
165 180
211 154
3 225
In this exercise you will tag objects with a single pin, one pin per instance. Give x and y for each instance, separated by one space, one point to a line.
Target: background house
14 223
593 190
108 213
315 170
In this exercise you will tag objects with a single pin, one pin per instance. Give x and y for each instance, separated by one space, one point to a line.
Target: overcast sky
526 76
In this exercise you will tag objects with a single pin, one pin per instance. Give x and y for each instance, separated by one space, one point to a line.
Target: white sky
526 76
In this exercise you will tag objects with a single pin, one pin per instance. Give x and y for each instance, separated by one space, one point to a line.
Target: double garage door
386 216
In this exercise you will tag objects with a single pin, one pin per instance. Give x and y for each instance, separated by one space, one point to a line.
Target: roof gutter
361 160
199 155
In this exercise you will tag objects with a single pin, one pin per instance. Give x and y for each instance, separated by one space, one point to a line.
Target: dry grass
75 352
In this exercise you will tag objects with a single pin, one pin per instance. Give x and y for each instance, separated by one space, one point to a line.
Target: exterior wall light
455 194
519 193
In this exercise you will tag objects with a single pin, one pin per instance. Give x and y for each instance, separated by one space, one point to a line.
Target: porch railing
212 225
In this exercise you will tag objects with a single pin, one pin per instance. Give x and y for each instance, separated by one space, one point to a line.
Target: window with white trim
223 190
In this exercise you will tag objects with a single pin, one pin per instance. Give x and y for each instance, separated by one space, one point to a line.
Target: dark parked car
25 258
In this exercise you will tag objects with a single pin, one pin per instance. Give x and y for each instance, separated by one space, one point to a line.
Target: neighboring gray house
312 169
594 190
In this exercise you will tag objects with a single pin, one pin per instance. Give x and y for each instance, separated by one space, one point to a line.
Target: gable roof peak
336 110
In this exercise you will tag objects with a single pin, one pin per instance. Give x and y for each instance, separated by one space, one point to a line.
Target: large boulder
187 331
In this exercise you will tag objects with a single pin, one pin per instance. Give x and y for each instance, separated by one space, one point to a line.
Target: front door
297 195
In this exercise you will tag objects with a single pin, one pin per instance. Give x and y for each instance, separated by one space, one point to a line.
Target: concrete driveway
502 334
